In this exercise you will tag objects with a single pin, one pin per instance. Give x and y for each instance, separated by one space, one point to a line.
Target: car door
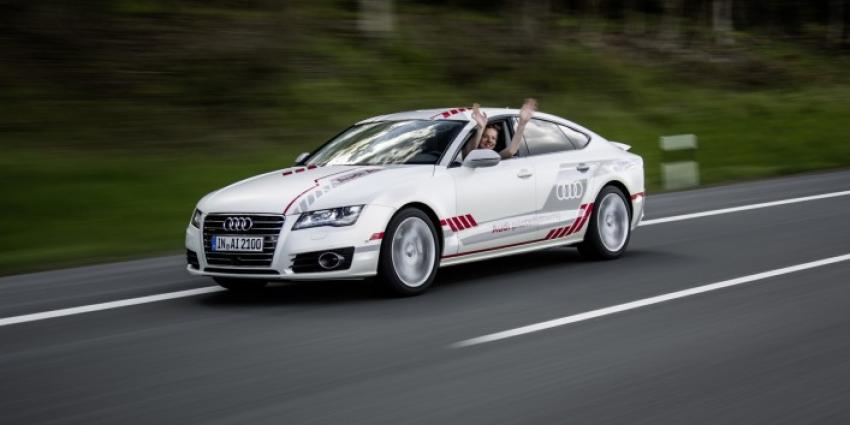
563 177
495 205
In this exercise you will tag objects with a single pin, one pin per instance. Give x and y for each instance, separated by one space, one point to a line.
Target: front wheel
609 230
240 285
410 253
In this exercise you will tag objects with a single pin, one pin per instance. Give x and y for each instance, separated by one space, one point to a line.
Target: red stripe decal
298 170
457 223
442 222
451 225
287 172
578 219
549 235
561 232
638 195
377 236
464 222
471 220
311 166
586 217
315 185
492 249
446 114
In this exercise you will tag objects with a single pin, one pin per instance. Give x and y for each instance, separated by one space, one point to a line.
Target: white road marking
743 208
537 327
107 305
208 289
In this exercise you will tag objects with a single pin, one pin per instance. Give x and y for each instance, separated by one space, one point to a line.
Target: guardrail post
684 170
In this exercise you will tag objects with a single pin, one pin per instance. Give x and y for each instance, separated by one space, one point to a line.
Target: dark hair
492 126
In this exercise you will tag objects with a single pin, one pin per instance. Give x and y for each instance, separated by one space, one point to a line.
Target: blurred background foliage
116 116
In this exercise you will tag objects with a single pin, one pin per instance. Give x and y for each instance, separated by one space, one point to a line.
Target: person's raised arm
525 114
481 119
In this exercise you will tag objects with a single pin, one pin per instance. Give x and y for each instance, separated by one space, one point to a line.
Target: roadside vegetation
118 117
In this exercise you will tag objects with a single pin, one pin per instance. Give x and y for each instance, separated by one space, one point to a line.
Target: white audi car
393 197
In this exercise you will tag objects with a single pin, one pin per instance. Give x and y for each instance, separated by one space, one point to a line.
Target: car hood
298 189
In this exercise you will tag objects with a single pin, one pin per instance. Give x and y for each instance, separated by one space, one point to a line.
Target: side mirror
482 158
301 156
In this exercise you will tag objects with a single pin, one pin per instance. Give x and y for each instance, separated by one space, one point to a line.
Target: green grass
71 208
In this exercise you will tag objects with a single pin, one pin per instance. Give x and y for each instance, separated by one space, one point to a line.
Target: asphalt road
773 351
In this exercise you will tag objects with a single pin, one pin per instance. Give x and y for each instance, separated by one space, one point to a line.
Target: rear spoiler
622 146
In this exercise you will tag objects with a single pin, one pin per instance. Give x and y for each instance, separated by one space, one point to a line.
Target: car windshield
389 142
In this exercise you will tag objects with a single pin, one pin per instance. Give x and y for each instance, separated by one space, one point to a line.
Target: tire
240 285
410 254
609 230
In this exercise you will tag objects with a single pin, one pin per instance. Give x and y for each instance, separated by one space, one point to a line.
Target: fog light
330 260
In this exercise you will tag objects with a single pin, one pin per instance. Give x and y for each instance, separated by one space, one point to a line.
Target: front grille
308 262
266 225
192 259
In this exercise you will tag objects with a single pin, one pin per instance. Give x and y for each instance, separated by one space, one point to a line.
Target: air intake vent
319 261
192 259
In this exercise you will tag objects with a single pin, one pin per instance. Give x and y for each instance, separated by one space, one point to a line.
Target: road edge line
580 317
709 213
13 320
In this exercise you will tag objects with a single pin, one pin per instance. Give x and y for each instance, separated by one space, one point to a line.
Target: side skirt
502 251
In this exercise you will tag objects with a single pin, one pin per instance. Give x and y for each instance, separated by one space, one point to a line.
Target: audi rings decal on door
567 191
234 224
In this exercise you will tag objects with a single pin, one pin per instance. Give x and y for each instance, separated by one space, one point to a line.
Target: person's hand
527 110
479 117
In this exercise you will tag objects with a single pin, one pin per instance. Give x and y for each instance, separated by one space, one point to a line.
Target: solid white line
537 327
107 305
743 208
192 292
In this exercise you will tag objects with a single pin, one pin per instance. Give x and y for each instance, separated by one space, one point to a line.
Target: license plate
237 243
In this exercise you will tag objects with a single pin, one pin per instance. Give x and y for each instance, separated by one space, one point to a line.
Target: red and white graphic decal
459 223
377 236
450 112
583 217
355 175
315 185
289 171
639 195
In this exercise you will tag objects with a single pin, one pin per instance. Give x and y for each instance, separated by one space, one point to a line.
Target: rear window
578 138
545 137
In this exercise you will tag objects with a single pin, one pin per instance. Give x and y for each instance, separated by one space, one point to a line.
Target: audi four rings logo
567 191
237 223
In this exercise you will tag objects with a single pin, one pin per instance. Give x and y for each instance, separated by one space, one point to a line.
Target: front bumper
364 236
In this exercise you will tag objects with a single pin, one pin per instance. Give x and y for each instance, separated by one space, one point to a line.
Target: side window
579 139
545 137
458 159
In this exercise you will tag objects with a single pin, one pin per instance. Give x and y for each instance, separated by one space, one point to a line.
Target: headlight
343 216
196 218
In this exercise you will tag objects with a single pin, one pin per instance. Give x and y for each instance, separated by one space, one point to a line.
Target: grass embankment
90 181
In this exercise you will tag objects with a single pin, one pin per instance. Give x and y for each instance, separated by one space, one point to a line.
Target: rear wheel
609 229
240 285
410 253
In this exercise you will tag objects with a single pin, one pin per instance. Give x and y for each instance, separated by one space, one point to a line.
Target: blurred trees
151 72
783 17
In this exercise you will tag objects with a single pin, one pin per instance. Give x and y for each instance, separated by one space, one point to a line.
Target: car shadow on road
525 268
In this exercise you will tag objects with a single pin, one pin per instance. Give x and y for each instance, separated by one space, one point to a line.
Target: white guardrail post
683 173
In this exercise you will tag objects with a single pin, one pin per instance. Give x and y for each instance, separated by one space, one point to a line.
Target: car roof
463 113
460 113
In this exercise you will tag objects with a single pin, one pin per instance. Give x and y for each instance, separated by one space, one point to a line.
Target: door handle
523 173
583 167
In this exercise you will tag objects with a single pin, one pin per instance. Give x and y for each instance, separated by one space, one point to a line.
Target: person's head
489 138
